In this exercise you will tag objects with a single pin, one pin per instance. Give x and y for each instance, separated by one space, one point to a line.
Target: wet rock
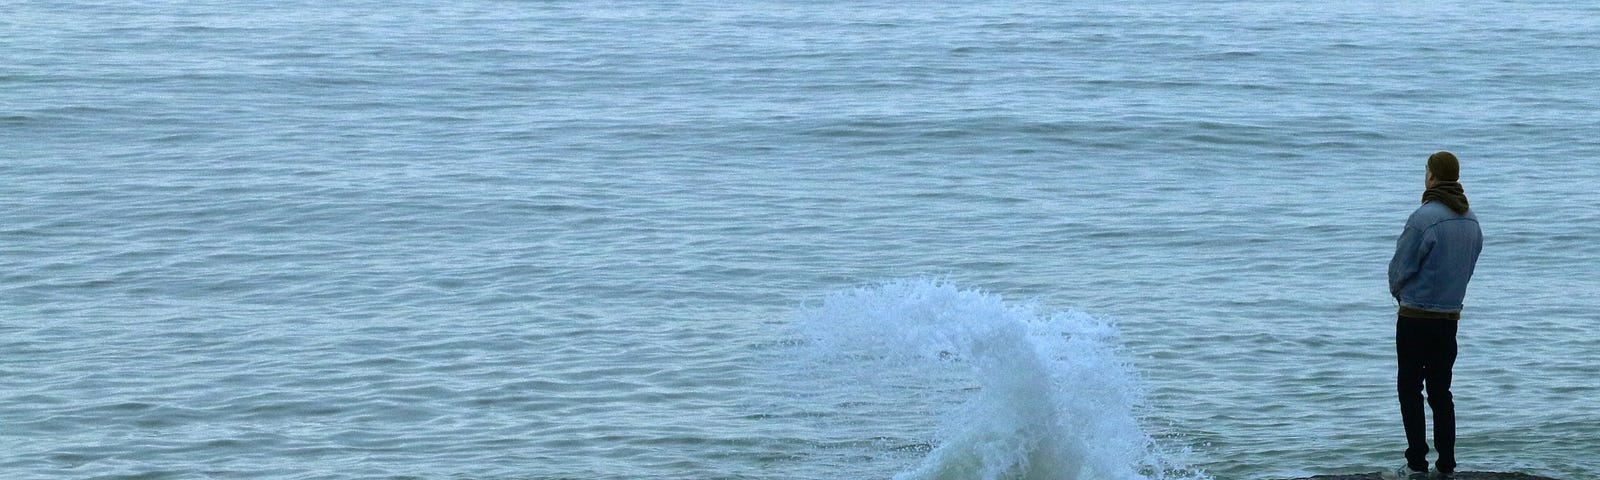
1459 476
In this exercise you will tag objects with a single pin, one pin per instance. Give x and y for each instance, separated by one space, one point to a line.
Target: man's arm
1409 252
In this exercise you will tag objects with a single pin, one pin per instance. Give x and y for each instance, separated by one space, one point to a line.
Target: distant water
550 239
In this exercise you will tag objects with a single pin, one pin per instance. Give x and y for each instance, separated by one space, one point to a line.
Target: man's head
1443 167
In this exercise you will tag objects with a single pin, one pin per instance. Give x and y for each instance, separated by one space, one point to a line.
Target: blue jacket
1434 258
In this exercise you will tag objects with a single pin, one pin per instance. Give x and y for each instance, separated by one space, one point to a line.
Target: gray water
552 239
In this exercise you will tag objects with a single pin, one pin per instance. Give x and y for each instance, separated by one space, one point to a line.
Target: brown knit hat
1444 166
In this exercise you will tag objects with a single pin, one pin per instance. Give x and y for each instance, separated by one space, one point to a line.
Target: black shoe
1444 475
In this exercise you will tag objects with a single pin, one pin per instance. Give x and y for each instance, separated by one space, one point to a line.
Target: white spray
1054 400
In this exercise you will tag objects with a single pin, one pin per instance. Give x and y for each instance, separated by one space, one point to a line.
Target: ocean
497 239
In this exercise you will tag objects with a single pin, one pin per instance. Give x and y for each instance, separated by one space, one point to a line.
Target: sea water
779 240
1046 396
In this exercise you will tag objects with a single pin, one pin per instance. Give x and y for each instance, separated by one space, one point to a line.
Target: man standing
1433 260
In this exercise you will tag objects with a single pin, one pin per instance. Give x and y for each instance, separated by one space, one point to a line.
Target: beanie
1444 166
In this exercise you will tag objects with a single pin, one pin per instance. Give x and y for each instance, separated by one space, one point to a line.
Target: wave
1054 399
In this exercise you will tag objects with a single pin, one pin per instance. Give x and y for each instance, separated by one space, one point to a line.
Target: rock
1459 476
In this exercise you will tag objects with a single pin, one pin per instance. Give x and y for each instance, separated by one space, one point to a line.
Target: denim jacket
1434 258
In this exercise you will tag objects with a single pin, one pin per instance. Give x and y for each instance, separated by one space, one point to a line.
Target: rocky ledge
1459 476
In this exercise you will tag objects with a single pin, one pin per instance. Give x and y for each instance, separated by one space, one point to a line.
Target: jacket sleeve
1409 252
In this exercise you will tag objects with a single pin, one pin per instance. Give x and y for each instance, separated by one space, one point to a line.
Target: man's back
1434 258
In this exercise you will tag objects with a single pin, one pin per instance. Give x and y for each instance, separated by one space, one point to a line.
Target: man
1433 260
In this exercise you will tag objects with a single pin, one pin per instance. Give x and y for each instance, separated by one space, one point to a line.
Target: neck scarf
1448 193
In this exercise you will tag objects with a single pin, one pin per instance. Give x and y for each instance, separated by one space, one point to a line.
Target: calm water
552 239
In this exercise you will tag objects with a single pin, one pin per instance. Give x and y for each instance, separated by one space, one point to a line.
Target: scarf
1448 193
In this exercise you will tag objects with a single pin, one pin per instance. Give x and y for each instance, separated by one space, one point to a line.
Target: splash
1053 399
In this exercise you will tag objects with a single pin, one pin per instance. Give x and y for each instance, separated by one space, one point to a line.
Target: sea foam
1054 399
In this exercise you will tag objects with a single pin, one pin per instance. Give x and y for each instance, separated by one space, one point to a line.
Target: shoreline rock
1459 476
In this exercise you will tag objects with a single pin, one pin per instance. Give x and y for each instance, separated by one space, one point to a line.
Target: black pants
1427 351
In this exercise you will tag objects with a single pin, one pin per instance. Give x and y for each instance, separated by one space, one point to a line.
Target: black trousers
1427 351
